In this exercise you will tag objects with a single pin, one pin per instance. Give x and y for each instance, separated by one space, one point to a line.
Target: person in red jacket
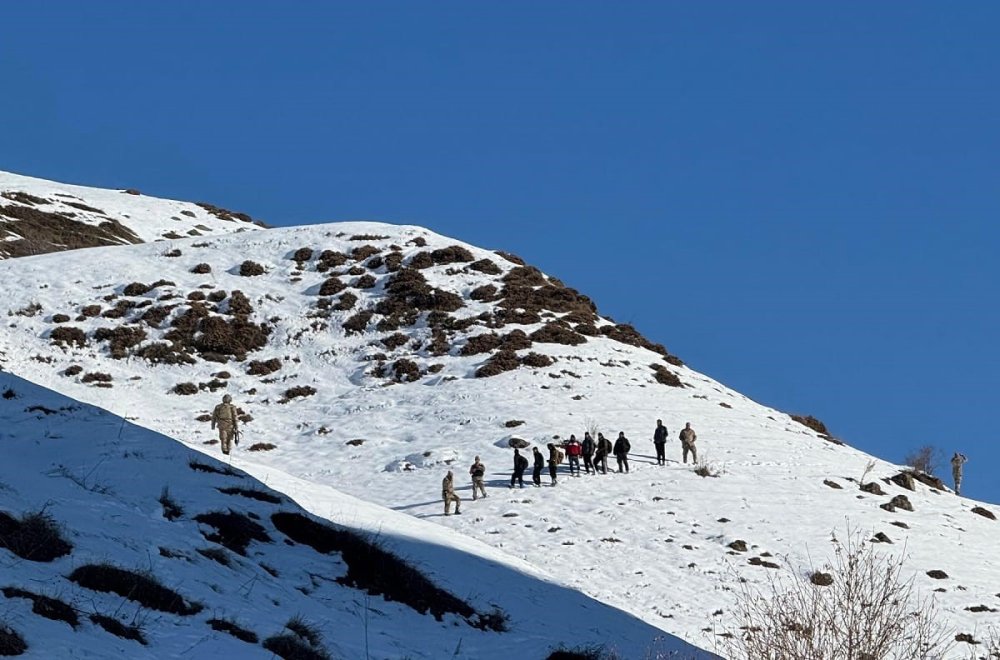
573 451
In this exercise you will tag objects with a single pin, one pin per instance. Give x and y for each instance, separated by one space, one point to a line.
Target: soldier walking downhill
449 496
688 437
226 418
477 472
536 473
957 461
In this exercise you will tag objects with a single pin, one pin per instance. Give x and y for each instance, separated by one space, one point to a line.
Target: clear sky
798 198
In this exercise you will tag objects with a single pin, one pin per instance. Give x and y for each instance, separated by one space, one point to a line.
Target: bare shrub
513 258
869 611
35 536
811 422
201 269
142 588
554 333
366 281
480 344
924 459
498 363
60 318
171 509
302 254
234 629
185 389
120 339
346 302
330 259
261 446
96 377
394 341
358 322
536 360
68 334
664 376
421 260
136 289
485 293
232 530
263 368
405 371
332 286
239 304
451 254
485 266
299 391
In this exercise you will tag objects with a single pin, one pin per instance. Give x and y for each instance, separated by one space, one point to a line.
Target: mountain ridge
370 358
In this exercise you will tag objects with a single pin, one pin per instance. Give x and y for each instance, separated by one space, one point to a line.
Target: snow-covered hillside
39 216
110 509
371 358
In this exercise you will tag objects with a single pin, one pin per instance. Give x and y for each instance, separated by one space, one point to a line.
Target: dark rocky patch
142 588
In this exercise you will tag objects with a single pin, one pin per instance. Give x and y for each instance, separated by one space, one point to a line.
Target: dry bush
330 259
261 446
498 363
364 251
536 360
358 322
263 368
217 296
164 353
485 293
924 459
527 276
367 237
486 266
35 536
366 281
299 391
405 371
811 422
68 334
480 344
233 530
664 376
154 316
392 342
421 260
332 286
346 302
120 339
555 333
393 262
201 269
142 588
185 389
41 232
515 340
627 334
136 289
869 612
90 311
239 304
302 254
60 318
513 258
451 254
196 295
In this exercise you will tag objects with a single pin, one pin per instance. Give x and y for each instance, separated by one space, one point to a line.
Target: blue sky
799 199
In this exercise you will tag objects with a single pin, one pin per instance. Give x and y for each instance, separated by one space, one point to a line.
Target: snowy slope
101 480
39 216
654 543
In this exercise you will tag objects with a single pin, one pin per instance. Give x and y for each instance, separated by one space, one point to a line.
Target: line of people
594 453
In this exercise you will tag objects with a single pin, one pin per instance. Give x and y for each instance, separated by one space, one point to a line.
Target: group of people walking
593 452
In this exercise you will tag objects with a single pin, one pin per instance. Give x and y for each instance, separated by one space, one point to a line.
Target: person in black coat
587 446
601 457
536 473
553 462
520 465
621 450
660 442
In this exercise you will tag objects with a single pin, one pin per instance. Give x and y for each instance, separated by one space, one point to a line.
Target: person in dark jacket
536 473
587 447
520 465
660 442
601 457
621 449
553 462
478 473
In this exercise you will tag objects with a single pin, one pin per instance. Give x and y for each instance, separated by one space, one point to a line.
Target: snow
652 544
101 478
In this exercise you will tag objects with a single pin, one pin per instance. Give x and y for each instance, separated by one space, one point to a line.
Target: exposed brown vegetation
330 259
364 251
484 293
251 269
555 333
331 286
498 363
664 376
811 422
366 281
451 254
486 266
120 339
302 254
34 536
41 232
201 269
513 258
68 334
346 302
263 368
358 322
142 588
536 360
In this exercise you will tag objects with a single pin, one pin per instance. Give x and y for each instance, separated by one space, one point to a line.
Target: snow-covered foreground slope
381 408
39 216
101 480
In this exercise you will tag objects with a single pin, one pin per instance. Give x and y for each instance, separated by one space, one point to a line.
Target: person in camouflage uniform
957 461
478 472
449 496
688 436
226 418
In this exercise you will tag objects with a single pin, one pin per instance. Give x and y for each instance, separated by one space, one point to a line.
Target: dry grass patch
35 536
142 588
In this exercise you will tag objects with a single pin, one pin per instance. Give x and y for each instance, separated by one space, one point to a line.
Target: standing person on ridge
621 449
573 451
226 418
520 465
477 471
536 473
957 461
660 442
449 496
603 450
688 436
553 462
587 448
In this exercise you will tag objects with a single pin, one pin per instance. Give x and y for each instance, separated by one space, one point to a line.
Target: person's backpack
626 445
522 463
477 471
559 456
